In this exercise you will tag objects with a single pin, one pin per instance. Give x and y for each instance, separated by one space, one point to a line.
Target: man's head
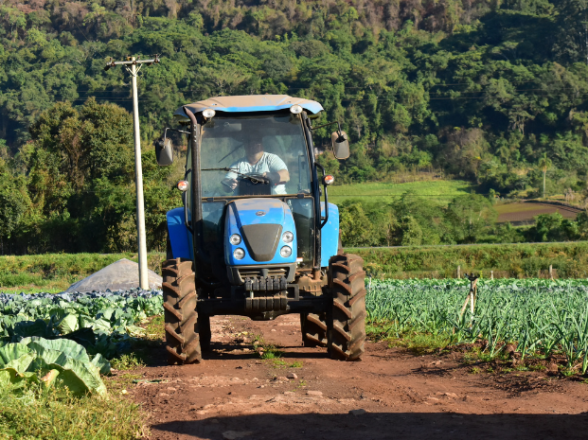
253 148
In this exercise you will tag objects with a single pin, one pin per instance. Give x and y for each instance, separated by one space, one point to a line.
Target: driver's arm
278 171
280 176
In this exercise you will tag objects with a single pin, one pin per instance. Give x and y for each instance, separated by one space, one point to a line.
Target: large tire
314 329
346 283
182 339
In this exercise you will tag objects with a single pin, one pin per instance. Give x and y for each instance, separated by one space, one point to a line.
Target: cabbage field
543 317
68 338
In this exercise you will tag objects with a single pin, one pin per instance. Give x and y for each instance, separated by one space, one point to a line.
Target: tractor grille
275 272
264 279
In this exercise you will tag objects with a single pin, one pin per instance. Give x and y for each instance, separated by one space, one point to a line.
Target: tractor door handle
326 219
184 195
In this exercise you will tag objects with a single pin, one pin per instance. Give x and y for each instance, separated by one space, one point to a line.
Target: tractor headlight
208 113
295 109
235 239
286 251
239 254
288 237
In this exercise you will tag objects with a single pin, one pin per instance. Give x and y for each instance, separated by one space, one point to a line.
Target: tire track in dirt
304 394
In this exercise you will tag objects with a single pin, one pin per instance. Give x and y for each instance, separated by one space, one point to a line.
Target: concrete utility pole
133 66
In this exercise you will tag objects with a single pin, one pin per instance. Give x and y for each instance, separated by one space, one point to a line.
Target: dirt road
390 394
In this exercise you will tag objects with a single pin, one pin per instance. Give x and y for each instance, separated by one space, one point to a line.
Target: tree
356 227
544 163
469 216
12 204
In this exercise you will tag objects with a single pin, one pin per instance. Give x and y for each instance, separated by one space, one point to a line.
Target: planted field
440 192
259 380
524 213
54 353
74 334
539 318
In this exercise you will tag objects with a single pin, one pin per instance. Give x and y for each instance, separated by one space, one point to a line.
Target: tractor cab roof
250 103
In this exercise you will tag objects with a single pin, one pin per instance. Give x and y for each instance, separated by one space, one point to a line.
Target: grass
506 260
32 414
155 328
436 191
416 342
282 364
42 273
271 352
128 361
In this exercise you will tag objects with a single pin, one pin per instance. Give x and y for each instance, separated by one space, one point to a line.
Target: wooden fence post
551 272
491 274
458 271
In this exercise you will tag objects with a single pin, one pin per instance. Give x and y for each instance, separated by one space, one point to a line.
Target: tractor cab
256 223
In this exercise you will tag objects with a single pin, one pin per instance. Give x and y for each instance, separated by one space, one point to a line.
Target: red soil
390 394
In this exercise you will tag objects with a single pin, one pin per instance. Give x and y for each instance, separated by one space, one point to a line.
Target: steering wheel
255 178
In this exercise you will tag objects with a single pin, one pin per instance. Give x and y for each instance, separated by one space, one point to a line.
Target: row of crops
67 339
542 317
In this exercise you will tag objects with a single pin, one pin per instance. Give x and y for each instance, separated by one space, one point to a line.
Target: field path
390 394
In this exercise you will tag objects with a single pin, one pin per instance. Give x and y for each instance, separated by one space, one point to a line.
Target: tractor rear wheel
346 283
182 339
314 329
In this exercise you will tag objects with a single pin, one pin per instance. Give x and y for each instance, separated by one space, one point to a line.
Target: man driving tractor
258 162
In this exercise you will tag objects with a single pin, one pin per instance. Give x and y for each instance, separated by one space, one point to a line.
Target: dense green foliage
411 220
483 90
73 187
541 317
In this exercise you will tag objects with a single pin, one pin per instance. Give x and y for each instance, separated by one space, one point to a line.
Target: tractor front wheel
182 339
346 283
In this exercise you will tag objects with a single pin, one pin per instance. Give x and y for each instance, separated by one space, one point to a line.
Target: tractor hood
260 223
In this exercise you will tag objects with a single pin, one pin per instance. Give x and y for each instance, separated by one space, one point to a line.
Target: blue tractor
254 237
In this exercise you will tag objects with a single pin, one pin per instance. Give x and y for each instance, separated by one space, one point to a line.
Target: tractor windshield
254 155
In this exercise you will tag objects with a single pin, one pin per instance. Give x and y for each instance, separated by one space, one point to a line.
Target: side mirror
340 145
164 151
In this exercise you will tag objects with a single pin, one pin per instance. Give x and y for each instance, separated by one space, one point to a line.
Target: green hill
475 91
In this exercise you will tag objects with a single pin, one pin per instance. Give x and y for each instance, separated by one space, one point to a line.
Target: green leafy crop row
541 317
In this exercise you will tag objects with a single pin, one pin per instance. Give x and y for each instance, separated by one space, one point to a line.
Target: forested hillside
493 92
